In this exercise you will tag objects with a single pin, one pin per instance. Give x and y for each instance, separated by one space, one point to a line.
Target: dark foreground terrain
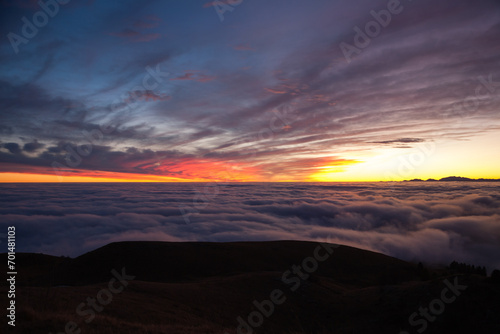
248 287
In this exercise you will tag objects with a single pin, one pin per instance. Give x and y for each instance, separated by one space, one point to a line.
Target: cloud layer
435 223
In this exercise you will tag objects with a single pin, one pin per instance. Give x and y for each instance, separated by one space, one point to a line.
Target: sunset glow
227 101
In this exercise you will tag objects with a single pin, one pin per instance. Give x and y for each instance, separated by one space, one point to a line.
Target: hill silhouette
455 179
193 287
185 261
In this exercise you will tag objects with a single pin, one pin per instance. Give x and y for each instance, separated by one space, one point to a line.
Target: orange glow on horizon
188 171
103 177
331 176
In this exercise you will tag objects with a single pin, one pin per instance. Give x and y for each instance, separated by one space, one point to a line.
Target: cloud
13 148
435 223
146 95
275 91
402 88
33 146
400 140
200 77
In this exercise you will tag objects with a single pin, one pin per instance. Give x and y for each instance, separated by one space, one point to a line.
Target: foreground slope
205 287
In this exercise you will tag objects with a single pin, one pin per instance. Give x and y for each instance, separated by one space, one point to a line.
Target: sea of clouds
433 222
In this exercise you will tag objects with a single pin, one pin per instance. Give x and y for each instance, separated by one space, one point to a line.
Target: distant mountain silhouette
200 287
454 179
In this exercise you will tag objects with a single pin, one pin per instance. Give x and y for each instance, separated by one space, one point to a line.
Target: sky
249 90
432 222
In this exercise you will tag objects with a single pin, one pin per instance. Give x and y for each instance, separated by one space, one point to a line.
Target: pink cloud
200 77
147 95
275 91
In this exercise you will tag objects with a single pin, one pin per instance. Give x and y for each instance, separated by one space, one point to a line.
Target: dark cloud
33 146
13 148
400 140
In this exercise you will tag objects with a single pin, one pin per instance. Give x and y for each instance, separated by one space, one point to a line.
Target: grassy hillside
205 287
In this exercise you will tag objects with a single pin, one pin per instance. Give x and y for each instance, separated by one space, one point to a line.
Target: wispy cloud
402 90
195 76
